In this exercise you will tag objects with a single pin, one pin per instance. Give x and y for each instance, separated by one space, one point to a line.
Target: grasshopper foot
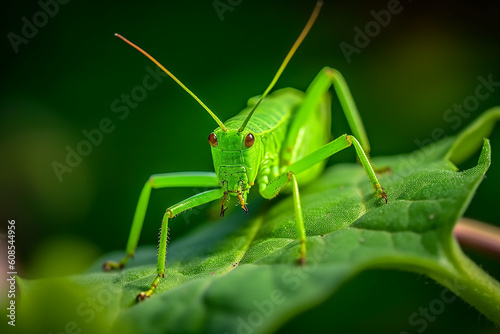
384 195
381 193
382 170
302 253
111 265
143 296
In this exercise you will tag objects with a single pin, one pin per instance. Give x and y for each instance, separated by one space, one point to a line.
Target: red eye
249 140
212 139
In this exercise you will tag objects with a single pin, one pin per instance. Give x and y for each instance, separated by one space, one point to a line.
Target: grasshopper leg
301 231
273 187
157 181
191 202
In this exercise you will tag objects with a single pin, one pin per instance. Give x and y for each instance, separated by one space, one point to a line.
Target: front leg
174 210
322 153
270 192
158 181
272 188
299 221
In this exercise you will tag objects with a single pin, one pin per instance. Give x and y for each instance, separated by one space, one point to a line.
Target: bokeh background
64 80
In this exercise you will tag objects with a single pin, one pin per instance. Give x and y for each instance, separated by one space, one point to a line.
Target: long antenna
176 80
294 48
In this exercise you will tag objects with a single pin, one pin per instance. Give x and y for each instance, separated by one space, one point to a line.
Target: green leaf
240 275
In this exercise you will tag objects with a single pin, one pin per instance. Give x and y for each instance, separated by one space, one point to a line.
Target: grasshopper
278 140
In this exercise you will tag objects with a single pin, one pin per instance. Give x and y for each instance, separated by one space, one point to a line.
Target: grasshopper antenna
216 119
294 48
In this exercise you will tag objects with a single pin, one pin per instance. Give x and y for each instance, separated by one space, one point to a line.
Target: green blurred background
65 79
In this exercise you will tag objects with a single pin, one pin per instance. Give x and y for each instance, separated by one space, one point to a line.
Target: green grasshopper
278 139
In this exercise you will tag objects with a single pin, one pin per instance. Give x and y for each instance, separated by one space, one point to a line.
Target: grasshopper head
236 157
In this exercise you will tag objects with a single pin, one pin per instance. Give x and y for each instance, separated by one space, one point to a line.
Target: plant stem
472 284
479 236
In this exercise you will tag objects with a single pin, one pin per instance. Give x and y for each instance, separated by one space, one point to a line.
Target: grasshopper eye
249 140
212 139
